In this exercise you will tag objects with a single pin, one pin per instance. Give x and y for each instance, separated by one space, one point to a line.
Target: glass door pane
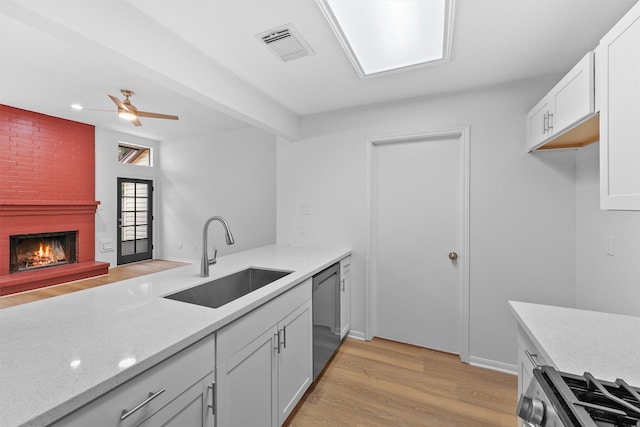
135 208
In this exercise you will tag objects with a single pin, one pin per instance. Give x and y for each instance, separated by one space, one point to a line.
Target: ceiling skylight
387 35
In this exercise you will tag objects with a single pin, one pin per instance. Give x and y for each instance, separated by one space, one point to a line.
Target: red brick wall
45 158
47 182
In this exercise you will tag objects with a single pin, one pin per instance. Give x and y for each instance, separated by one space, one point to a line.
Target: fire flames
44 255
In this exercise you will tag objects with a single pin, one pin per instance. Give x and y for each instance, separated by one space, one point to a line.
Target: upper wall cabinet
565 117
618 83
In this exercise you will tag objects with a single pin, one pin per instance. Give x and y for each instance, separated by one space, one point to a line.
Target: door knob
453 256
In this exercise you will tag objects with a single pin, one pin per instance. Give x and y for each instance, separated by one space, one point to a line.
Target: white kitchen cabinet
266 361
295 359
345 296
554 121
176 392
618 83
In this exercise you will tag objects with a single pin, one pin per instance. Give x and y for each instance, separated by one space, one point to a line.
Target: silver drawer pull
212 387
532 358
127 412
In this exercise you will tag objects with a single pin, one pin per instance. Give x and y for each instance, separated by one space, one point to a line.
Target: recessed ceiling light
388 35
77 106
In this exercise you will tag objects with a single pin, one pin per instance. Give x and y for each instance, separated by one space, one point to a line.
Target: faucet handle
215 255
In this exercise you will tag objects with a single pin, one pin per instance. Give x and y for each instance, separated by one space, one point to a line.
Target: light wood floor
116 274
384 383
379 383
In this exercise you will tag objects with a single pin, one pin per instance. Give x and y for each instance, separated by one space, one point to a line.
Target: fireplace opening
33 251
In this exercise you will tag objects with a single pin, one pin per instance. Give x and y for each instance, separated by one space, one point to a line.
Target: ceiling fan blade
136 122
119 103
156 115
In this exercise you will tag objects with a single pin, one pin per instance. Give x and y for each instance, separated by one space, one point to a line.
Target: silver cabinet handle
550 122
127 412
284 337
544 123
342 285
276 337
212 406
532 358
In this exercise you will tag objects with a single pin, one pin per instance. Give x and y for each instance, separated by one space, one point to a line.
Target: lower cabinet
529 357
265 361
176 392
345 296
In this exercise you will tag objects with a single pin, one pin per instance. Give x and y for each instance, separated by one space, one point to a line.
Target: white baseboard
493 365
356 335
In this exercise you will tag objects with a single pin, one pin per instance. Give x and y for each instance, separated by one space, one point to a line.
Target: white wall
522 231
604 283
108 169
231 174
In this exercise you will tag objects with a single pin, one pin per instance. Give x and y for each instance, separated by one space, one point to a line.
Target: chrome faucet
206 262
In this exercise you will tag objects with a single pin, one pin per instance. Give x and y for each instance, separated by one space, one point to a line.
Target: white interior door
416 223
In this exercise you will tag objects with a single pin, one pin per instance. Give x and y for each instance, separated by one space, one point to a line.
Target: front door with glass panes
135 215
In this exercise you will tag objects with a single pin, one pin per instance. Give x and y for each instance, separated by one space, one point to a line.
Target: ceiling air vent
286 43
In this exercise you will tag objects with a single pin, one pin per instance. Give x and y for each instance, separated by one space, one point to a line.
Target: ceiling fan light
127 115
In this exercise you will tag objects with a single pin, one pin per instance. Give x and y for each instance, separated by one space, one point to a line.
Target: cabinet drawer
235 336
174 375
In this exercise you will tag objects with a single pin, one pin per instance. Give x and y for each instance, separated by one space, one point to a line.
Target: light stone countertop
60 353
577 341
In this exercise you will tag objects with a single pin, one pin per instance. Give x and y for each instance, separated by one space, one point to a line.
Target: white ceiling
200 59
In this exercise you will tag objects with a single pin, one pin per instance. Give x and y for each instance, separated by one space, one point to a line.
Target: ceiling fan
128 111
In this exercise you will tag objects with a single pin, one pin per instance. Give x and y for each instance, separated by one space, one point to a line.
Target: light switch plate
611 246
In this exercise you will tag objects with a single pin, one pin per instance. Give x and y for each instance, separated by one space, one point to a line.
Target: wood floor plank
385 383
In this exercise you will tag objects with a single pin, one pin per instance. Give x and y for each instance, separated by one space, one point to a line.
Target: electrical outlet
106 245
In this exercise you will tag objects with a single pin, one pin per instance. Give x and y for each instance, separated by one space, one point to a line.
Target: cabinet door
247 384
345 296
618 62
191 408
538 123
573 96
295 359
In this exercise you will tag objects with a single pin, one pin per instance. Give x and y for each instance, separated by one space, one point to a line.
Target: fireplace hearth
34 251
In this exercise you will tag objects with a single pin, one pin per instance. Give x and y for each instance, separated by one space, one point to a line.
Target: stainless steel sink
219 292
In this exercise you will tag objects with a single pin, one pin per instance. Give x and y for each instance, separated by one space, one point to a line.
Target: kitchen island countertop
577 341
60 353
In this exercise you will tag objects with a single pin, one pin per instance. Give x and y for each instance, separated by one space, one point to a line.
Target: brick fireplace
47 188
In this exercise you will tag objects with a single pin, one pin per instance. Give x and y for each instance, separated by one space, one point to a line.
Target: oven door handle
532 358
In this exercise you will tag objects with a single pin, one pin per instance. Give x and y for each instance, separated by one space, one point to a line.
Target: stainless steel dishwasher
326 316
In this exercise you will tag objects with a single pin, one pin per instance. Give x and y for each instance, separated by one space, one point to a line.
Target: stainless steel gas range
559 399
